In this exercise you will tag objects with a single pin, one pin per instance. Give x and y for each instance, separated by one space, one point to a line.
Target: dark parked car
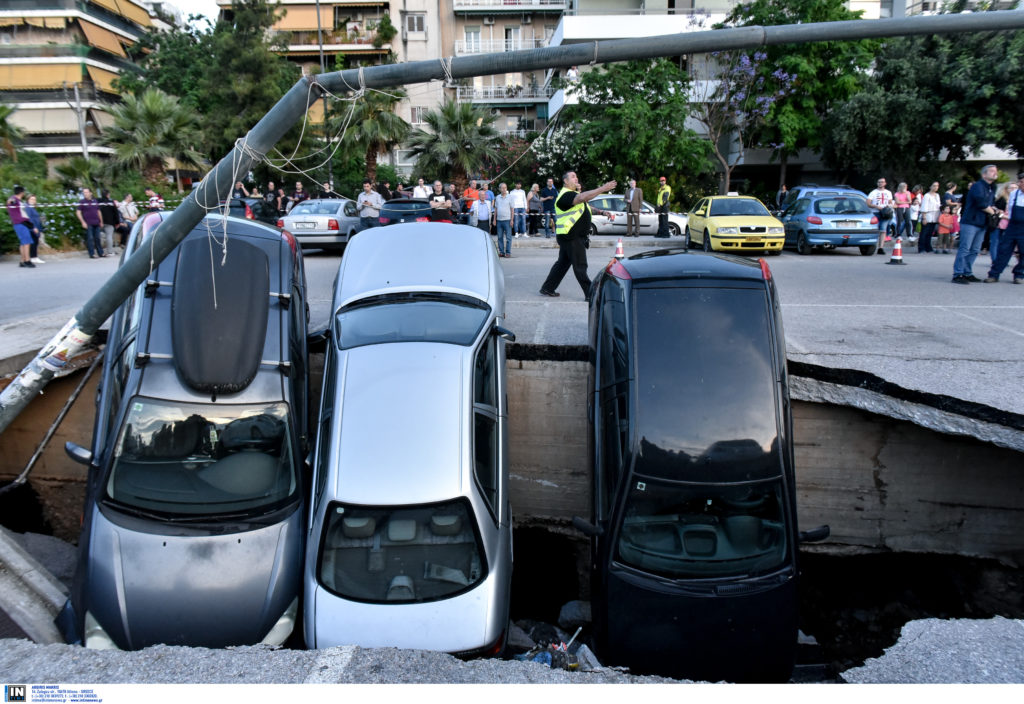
407 210
192 532
694 531
251 209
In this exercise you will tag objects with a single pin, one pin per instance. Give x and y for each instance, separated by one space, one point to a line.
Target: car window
323 442
350 209
317 207
737 206
188 459
614 444
691 530
411 317
800 207
406 554
407 207
841 206
717 411
616 204
613 347
486 461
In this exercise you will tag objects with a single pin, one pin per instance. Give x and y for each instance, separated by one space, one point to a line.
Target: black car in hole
694 531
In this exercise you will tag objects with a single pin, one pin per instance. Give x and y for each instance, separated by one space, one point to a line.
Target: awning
134 12
45 121
103 78
303 18
33 76
102 38
10 21
110 5
102 119
55 22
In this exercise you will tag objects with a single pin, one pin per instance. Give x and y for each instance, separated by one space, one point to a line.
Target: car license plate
751 239
305 225
847 223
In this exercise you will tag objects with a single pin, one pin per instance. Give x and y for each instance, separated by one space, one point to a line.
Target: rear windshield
191 460
685 531
406 207
411 317
706 388
841 206
393 555
737 206
319 207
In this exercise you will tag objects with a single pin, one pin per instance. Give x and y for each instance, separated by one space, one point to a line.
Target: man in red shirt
471 195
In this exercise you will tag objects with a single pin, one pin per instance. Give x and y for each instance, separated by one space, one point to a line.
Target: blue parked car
841 219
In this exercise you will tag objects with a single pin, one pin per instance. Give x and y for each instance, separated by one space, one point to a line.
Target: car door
793 219
698 218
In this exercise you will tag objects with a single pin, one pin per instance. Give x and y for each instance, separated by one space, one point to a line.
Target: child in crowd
947 225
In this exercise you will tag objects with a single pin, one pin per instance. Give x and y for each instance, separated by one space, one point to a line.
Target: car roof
419 256
679 263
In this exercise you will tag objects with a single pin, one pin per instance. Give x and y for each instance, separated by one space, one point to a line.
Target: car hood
468 621
230 588
402 429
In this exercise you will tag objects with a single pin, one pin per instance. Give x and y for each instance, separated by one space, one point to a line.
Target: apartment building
58 63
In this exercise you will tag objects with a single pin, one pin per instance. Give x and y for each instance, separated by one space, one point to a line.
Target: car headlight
284 626
776 230
728 231
95 636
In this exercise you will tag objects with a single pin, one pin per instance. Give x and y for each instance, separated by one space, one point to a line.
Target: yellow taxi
734 223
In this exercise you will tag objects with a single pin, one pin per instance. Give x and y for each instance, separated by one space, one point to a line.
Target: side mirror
504 334
78 453
586 527
815 534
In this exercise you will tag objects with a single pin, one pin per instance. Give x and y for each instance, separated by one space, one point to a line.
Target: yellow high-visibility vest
565 219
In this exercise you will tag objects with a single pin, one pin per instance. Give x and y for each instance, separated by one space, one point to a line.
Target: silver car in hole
410 536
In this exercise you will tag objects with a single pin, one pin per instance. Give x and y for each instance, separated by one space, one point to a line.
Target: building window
418 115
473 38
415 23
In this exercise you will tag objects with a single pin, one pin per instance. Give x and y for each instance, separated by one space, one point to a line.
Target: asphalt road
907 324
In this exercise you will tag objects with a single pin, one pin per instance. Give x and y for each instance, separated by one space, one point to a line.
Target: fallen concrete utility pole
217 184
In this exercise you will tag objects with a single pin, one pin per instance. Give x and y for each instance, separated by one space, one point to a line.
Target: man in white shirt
880 200
370 203
518 197
420 190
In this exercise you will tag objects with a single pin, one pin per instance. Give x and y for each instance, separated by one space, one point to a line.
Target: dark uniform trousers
571 254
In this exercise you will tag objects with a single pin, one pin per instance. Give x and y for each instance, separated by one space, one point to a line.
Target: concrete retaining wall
880 483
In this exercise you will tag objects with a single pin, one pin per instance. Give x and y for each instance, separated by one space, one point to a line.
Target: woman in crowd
38 226
1002 200
931 204
901 206
534 208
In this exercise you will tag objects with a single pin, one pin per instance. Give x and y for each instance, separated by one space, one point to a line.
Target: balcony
493 46
498 7
503 95
350 41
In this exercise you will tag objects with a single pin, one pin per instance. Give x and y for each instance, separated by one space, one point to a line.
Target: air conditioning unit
488 19
527 19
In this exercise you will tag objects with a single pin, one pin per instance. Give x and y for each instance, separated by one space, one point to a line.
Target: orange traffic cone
619 254
897 252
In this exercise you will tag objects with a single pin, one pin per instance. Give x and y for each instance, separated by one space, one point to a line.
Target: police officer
572 227
664 196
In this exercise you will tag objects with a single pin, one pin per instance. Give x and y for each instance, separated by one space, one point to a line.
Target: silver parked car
322 223
410 541
648 218
192 532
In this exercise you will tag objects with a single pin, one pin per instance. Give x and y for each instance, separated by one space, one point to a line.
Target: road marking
330 665
997 326
542 323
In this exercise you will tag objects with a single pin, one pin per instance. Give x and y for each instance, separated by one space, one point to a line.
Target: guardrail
502 94
490 46
513 5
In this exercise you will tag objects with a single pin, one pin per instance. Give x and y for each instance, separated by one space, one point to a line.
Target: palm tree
9 133
374 127
81 172
149 129
460 141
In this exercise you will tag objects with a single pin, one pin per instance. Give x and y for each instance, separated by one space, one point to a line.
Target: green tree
373 126
824 74
10 134
150 129
174 61
243 76
81 172
459 140
629 121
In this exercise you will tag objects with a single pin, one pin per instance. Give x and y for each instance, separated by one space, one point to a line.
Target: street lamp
323 69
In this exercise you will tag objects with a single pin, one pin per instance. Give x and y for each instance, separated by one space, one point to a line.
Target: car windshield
410 317
841 206
413 206
191 460
393 555
737 206
693 531
317 207
706 387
